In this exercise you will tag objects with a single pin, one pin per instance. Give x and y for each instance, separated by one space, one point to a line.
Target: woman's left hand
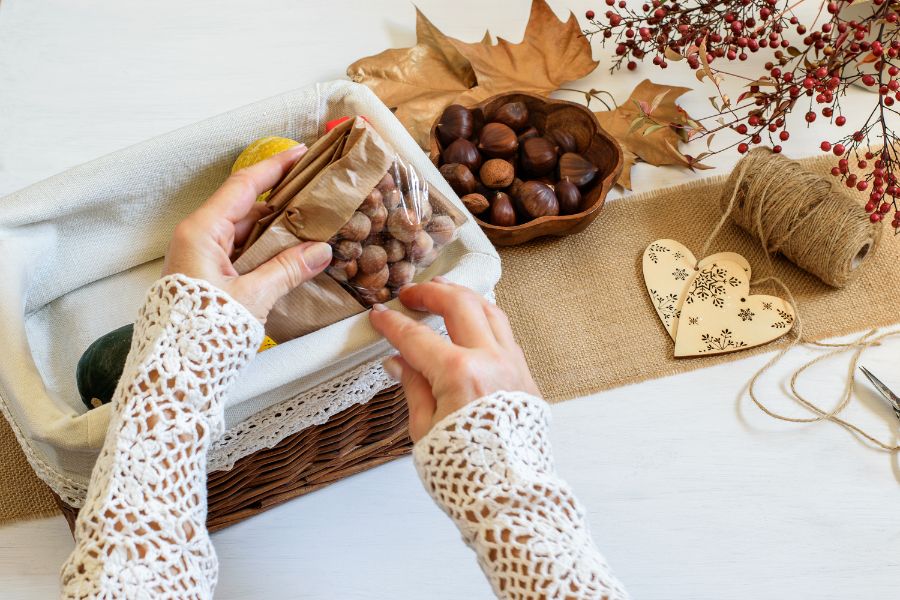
204 242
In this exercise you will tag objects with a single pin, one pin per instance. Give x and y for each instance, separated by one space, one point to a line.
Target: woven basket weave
359 438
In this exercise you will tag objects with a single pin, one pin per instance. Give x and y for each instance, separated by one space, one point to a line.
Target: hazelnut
372 281
565 141
538 156
502 212
378 219
420 246
455 123
497 173
347 250
476 203
512 114
464 152
569 197
429 258
386 184
401 273
459 177
342 270
498 141
421 205
372 259
371 203
529 133
375 297
442 229
403 224
395 250
357 228
576 169
538 200
392 198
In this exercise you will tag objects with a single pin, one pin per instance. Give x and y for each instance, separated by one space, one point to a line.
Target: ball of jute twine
822 230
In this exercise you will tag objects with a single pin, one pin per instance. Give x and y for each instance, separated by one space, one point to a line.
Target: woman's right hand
440 377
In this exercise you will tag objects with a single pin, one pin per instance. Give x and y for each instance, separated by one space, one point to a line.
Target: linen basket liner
80 250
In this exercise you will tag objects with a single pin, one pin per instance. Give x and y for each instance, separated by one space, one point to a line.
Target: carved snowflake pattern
746 314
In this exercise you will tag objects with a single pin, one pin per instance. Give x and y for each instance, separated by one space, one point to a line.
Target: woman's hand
204 242
440 377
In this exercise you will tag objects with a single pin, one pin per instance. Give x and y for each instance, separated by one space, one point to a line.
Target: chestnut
497 173
476 203
569 197
576 169
538 200
564 140
459 177
502 212
512 114
455 123
464 152
538 156
529 133
497 141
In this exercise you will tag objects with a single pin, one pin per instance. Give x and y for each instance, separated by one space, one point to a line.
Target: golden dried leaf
550 53
660 146
421 81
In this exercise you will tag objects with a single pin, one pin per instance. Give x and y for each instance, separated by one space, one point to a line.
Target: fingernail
379 307
317 255
392 368
298 148
440 279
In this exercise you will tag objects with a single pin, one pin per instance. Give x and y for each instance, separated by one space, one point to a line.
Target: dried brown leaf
659 146
439 70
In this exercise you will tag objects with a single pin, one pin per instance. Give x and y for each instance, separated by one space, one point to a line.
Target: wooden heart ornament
669 268
720 315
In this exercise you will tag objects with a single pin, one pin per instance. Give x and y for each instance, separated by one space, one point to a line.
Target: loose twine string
820 229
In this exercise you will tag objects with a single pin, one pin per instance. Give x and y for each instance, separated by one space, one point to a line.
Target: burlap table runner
580 309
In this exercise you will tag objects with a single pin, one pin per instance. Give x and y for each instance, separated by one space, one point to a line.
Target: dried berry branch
812 78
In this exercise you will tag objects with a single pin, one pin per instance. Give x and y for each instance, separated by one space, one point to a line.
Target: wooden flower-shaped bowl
593 143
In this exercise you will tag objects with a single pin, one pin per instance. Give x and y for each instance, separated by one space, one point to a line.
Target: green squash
101 366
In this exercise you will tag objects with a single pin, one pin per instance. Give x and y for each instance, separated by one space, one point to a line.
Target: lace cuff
142 529
489 466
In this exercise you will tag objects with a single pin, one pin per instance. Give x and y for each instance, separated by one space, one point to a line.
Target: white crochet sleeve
489 466
142 530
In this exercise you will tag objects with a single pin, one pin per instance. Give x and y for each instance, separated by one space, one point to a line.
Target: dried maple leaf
641 140
551 52
419 82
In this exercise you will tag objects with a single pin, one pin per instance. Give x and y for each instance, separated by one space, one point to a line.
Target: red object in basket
335 122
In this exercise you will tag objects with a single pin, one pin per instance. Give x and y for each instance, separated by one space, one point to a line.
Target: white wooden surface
692 492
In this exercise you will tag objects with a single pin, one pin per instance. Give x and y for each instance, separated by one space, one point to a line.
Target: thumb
285 271
419 398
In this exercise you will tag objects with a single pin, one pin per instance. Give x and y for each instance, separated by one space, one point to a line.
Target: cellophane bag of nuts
384 222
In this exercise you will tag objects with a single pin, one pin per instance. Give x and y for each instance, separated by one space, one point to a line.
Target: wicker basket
357 439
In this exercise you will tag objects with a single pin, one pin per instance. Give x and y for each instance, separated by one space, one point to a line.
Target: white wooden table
692 492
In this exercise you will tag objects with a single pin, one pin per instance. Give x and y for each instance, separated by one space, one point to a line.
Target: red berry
862 185
870 206
810 117
875 217
839 121
589 15
776 149
742 147
884 208
838 149
825 146
783 136
631 65
868 80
